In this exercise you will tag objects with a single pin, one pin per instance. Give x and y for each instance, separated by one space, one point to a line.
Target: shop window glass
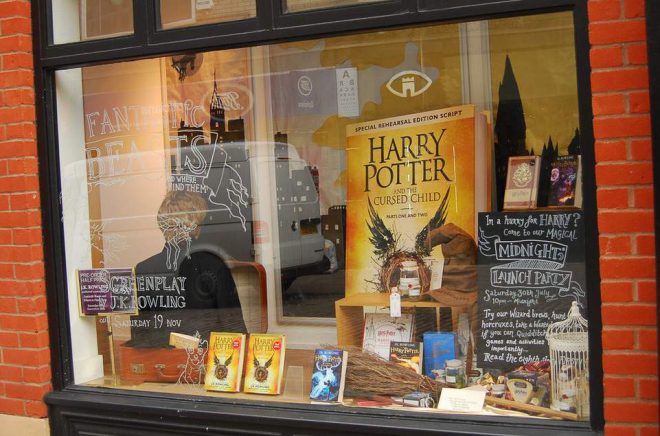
306 5
367 193
183 13
93 19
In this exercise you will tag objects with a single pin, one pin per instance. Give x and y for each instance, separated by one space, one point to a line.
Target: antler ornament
261 372
390 256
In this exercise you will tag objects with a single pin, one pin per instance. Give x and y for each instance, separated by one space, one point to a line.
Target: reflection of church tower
217 111
224 130
510 128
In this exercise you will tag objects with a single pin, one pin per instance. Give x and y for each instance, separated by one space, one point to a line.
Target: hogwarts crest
522 175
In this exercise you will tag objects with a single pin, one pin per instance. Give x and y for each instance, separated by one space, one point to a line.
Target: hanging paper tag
395 305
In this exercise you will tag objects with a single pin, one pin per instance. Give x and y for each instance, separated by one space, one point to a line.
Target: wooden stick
109 319
494 401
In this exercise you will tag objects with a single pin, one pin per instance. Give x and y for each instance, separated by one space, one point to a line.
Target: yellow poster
408 176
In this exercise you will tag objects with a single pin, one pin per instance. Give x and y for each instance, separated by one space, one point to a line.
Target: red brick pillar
24 345
624 176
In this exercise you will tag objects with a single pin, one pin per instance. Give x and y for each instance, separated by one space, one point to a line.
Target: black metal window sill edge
108 410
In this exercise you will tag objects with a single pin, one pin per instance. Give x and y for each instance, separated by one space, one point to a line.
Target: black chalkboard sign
105 291
531 268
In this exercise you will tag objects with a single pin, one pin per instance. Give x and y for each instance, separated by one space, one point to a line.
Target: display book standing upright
408 354
522 182
566 182
380 329
264 367
329 376
224 365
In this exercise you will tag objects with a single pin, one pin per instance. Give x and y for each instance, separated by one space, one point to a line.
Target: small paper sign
521 390
105 291
203 4
462 400
395 305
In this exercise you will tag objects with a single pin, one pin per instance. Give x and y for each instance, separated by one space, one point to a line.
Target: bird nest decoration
390 255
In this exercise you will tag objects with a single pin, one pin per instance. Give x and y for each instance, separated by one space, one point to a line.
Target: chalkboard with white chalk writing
105 291
531 268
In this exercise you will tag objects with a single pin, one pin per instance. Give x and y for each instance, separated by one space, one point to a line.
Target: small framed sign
107 291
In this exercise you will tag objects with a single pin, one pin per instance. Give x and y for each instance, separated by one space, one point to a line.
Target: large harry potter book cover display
415 183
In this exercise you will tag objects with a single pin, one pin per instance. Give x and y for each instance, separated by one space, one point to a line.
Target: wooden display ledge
350 313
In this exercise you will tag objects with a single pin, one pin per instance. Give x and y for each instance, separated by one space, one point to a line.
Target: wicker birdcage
569 358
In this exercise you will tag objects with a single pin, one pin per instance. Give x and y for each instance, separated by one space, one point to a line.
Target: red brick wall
624 176
625 200
24 349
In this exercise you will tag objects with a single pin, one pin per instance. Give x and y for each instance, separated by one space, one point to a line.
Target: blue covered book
438 347
329 375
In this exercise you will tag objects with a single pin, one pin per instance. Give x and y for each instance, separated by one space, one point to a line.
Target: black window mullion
338 14
143 21
42 12
267 10
271 24
95 51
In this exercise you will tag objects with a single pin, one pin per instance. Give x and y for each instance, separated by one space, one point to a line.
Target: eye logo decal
409 83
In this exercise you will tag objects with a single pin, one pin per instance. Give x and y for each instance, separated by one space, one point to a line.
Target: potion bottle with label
409 279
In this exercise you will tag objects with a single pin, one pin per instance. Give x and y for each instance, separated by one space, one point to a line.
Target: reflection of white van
222 173
125 192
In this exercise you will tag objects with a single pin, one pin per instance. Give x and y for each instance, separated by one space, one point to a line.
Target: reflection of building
221 129
227 131
187 133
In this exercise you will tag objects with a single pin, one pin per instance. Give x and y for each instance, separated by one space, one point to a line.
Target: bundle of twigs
367 373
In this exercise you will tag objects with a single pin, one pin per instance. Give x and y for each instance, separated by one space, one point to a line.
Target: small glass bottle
498 390
567 402
409 279
455 373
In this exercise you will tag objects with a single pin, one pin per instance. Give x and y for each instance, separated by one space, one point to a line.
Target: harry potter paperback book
408 176
407 354
380 329
264 366
329 376
522 182
224 364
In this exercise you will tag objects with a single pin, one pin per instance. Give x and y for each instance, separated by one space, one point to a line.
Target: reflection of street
313 295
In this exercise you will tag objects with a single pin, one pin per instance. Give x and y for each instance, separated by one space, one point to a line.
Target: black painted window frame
273 24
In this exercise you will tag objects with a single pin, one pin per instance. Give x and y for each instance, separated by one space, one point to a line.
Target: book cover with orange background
406 176
264 364
224 363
